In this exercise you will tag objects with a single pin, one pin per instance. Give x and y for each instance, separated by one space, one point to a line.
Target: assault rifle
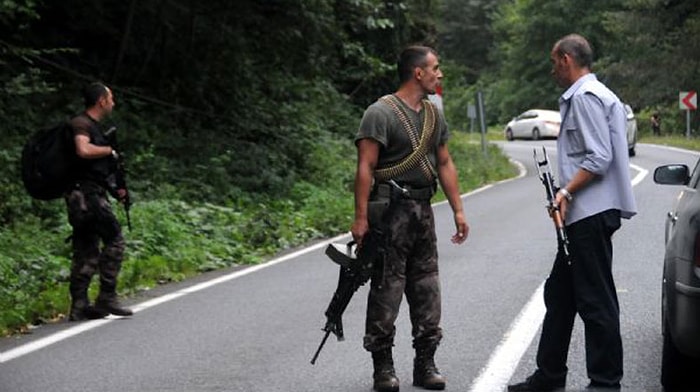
355 270
119 175
545 174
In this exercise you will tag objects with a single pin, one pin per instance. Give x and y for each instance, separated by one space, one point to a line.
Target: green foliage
237 118
642 51
466 34
457 94
656 57
476 167
525 32
174 239
17 12
33 264
674 140
673 121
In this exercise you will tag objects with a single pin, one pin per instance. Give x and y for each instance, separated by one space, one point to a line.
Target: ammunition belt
419 156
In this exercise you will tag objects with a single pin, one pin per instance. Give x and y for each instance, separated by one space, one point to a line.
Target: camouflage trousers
94 224
410 268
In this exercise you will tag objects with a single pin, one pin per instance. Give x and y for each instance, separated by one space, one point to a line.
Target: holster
384 194
376 210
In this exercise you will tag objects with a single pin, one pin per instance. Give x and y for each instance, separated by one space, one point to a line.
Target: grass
173 240
673 141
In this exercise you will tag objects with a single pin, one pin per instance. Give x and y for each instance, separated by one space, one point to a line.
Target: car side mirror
675 174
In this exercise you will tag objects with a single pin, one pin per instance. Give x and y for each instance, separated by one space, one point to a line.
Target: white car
534 124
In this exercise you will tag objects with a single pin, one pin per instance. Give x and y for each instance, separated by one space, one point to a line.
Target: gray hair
577 47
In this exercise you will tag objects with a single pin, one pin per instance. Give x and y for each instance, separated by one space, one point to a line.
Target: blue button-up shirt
593 137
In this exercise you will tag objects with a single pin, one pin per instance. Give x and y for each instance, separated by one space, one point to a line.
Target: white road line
642 172
89 325
505 358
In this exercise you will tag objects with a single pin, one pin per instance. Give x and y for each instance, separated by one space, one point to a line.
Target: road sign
688 100
471 111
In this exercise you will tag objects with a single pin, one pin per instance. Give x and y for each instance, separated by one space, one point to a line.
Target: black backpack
49 162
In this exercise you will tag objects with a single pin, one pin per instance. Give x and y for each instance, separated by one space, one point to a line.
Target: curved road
256 328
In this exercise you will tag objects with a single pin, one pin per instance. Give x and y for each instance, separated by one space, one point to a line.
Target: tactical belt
419 156
89 187
385 190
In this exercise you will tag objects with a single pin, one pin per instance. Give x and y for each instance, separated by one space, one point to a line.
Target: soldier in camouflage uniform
90 213
392 129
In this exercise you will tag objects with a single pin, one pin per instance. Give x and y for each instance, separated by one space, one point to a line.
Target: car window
526 115
695 176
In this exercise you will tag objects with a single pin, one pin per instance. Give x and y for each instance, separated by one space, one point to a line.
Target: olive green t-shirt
381 124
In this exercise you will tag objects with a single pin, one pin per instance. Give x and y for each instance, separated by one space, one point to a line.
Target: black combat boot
425 373
108 302
385 379
77 309
80 308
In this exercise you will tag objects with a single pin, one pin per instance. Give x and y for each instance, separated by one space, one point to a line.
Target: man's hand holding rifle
356 266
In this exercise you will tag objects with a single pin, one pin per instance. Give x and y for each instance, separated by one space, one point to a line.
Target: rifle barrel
318 351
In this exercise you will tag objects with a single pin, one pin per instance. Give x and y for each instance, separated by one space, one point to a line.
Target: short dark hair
93 92
410 58
577 47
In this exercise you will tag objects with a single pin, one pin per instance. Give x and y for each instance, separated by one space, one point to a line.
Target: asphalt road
255 329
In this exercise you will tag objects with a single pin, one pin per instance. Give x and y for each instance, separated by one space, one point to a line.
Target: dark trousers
93 223
585 287
410 268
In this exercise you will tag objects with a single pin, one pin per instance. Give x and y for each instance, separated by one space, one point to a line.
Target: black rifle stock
354 272
545 174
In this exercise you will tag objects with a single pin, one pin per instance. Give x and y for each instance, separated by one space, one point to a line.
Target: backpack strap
418 158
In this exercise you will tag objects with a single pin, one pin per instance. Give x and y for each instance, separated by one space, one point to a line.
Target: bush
203 200
34 263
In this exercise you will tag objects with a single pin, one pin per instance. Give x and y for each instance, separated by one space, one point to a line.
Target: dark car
680 295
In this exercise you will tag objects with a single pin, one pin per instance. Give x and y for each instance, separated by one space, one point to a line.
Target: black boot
385 379
538 382
80 308
108 302
77 309
425 373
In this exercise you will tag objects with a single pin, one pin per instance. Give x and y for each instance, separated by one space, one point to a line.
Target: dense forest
237 117
241 93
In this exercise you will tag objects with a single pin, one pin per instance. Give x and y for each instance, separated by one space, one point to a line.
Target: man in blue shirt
595 193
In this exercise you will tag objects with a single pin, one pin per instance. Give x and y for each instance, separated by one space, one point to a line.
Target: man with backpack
90 213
